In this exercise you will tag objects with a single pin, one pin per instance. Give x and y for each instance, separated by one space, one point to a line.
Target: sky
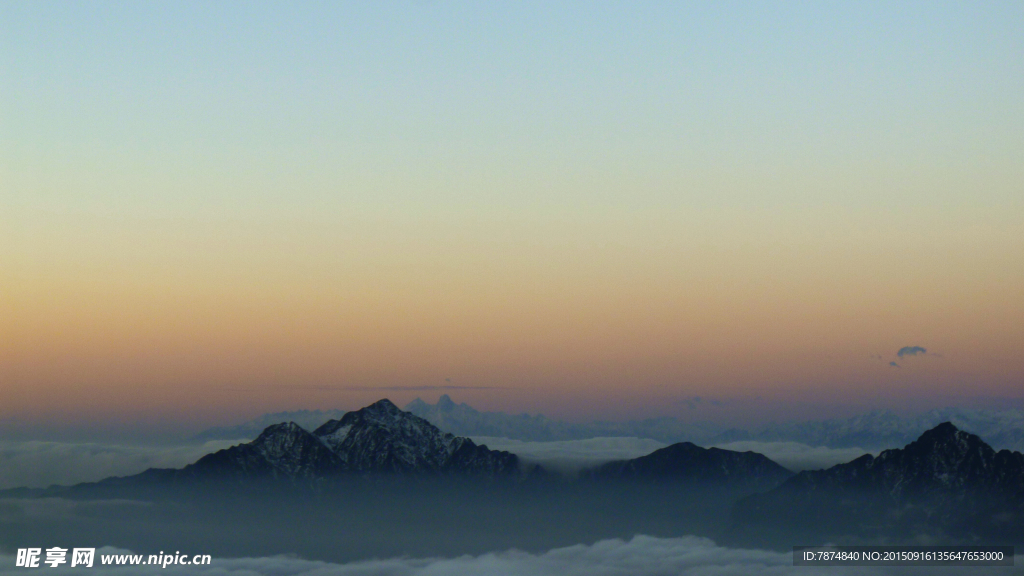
589 210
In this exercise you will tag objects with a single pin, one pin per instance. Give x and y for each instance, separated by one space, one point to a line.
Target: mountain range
381 438
947 483
946 486
880 429
382 482
377 439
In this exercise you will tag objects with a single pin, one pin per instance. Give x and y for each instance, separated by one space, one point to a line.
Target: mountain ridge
948 483
377 439
687 462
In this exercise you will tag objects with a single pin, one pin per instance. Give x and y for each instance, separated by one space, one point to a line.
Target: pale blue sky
599 207
403 99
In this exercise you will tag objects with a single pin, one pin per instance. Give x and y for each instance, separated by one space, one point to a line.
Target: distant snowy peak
884 429
464 420
874 430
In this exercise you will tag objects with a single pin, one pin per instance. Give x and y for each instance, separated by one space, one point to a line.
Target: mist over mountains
872 431
382 482
947 485
377 482
1002 429
379 438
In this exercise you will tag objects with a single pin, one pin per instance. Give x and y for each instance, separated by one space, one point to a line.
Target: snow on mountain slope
378 438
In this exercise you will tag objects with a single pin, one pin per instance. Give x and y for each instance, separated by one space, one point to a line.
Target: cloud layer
38 464
639 556
570 456
797 456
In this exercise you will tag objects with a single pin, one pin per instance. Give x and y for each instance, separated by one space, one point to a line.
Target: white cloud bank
796 456
38 464
640 556
572 455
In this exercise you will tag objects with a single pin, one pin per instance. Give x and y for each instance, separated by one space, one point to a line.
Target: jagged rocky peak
943 460
947 481
381 417
278 433
287 450
947 445
947 439
382 408
383 438
377 438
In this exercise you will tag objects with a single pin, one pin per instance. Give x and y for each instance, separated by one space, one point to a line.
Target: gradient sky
210 211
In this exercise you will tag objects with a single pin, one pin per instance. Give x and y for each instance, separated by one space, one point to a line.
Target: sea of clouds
38 464
639 556
796 456
572 455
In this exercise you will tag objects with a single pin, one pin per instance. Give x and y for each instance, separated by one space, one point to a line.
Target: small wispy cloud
911 351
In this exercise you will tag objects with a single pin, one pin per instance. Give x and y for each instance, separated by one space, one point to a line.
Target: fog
796 456
569 456
636 556
426 524
38 464
360 518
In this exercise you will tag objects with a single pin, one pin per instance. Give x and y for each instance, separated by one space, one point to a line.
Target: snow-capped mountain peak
381 437
378 438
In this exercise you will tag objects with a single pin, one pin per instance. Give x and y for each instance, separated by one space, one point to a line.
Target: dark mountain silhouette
378 439
687 462
947 484
382 471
